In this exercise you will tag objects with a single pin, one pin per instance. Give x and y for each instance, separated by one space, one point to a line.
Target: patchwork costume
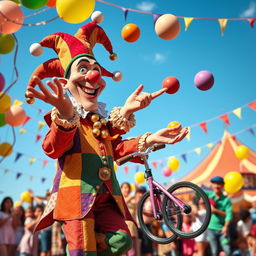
86 197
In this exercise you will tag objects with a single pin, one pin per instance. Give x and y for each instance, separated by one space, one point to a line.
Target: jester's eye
82 69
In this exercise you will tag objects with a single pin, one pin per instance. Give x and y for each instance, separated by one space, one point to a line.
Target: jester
86 198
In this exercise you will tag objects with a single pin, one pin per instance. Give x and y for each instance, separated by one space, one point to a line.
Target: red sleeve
57 141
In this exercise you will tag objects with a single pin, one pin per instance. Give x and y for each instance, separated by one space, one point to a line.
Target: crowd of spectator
228 234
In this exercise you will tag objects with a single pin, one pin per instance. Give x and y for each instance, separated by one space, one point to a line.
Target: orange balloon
167 26
15 116
51 3
172 125
130 33
5 149
12 12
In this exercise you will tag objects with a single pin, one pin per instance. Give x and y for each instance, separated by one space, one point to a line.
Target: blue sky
231 59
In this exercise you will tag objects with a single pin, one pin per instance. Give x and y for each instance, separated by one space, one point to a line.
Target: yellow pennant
209 145
238 112
22 130
187 22
41 124
223 24
188 135
198 150
17 102
31 160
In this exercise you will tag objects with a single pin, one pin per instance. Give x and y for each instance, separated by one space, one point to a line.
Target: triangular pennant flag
40 111
209 145
252 105
251 131
223 24
22 130
41 124
233 136
45 162
125 12
238 112
31 160
154 164
204 126
126 169
18 155
184 157
161 162
156 17
225 119
43 180
251 21
187 22
198 150
188 135
17 103
27 119
6 171
18 175
38 137
137 167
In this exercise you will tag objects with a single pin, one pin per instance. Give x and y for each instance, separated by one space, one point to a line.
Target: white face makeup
85 83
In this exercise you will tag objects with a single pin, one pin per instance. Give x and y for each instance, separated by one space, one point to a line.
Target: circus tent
222 160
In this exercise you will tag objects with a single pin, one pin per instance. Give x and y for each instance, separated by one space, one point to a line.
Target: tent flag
155 17
209 145
18 175
22 130
251 131
187 21
238 112
225 119
31 160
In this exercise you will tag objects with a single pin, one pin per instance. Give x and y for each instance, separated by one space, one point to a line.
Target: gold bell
97 125
95 118
30 100
104 134
113 56
103 121
96 132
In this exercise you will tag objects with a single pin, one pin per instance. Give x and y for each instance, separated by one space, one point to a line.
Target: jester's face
85 82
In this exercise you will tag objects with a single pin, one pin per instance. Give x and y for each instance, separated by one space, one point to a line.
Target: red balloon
172 83
166 172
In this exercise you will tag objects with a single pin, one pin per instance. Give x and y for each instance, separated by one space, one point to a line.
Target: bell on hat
69 48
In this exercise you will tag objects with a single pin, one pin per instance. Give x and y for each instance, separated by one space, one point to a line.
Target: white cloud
250 11
146 6
159 58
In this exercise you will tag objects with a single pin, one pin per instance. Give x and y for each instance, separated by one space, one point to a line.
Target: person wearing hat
86 197
220 219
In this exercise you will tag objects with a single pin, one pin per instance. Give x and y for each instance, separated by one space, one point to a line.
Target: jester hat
69 48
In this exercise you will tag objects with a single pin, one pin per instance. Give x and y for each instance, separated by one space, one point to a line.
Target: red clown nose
93 77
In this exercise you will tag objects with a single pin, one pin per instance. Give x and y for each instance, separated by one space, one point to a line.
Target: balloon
172 125
5 102
241 152
7 43
167 26
51 3
5 149
35 4
2 120
75 11
130 33
25 197
139 177
166 172
204 80
2 82
11 12
172 84
15 116
17 204
233 182
173 163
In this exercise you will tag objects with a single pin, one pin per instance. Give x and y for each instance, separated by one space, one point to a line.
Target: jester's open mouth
89 91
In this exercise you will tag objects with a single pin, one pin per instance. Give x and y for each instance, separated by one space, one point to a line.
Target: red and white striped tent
222 160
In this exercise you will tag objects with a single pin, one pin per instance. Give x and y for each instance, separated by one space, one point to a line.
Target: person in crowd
58 240
130 202
244 224
220 219
7 235
251 241
242 248
29 242
253 210
18 224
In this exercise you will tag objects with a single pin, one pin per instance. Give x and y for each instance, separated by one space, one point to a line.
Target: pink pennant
203 126
252 105
225 119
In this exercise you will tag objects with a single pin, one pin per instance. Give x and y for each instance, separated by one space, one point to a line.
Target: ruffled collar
83 112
